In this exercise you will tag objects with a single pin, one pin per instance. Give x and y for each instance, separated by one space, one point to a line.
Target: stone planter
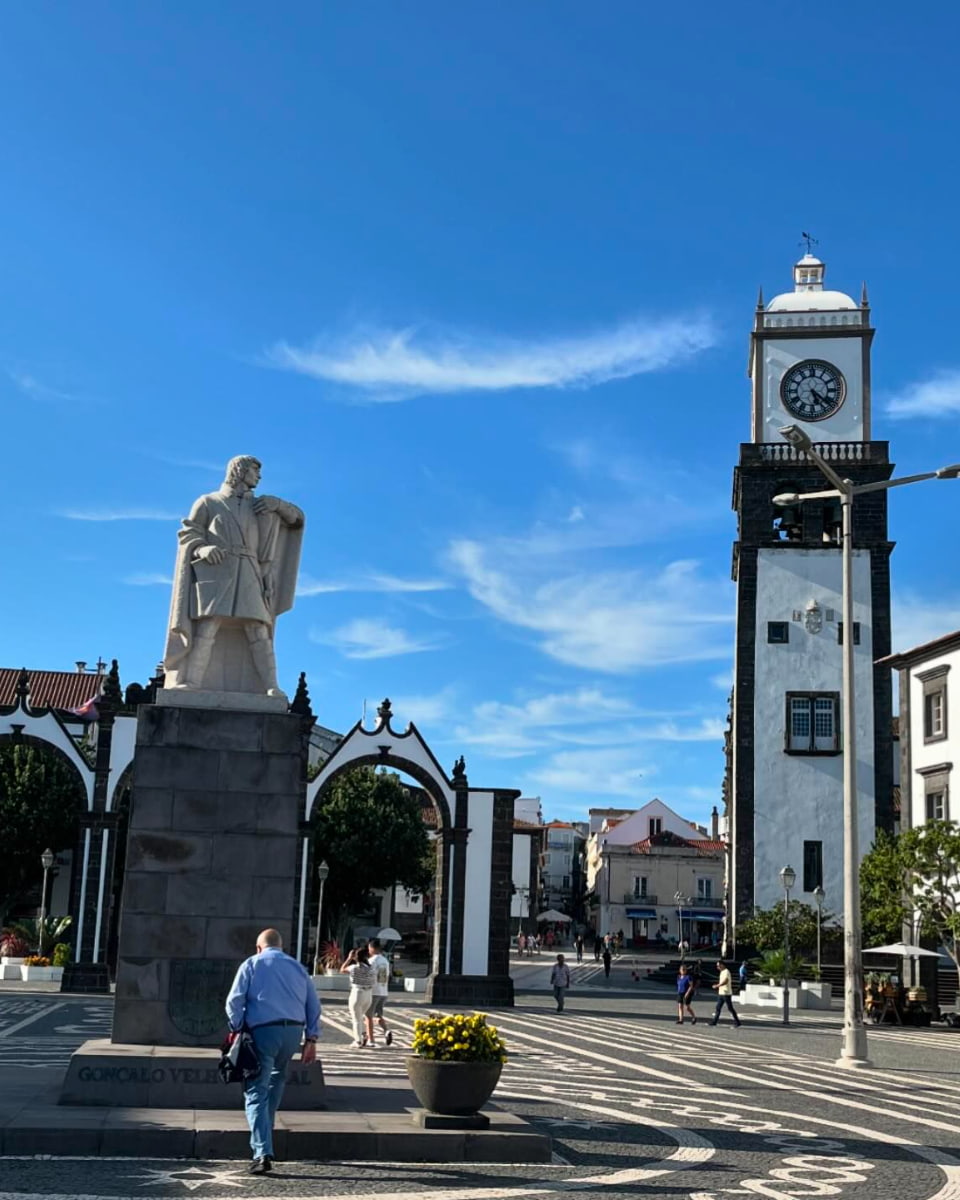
332 983
452 1089
10 967
41 974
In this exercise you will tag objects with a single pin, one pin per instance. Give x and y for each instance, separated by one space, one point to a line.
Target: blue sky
475 282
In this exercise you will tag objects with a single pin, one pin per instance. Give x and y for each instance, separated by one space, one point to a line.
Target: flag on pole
86 712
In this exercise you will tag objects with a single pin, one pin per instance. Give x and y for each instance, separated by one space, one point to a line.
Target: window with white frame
704 888
934 683
813 723
936 791
656 826
639 886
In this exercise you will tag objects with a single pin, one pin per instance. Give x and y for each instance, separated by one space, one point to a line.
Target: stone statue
236 572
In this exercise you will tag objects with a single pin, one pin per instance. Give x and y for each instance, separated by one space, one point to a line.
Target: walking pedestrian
724 989
381 989
597 946
743 975
357 966
578 944
559 980
685 993
607 958
274 997
522 944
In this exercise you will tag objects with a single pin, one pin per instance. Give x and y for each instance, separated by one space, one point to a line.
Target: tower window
813 723
656 826
856 633
937 806
778 632
812 865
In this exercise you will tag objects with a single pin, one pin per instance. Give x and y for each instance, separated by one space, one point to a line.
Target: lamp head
818 894
47 858
786 499
323 871
951 472
796 437
788 877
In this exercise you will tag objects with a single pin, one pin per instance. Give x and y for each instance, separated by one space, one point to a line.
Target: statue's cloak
255 582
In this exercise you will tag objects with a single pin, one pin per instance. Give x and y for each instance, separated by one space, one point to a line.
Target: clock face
812 390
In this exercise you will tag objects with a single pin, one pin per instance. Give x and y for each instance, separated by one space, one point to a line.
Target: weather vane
809 240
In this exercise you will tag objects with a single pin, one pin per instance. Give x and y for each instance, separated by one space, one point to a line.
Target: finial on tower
760 298
864 302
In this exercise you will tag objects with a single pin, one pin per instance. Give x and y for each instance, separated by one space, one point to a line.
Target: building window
704 889
813 723
656 826
934 684
937 806
778 632
812 865
936 791
566 882
639 887
856 633
934 715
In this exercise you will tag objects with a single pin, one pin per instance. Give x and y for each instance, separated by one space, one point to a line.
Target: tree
883 893
369 828
764 929
931 860
40 798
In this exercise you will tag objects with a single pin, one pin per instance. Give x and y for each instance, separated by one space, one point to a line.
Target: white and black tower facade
809 366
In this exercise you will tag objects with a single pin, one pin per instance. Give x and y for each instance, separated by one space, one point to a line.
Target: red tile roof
703 847
51 689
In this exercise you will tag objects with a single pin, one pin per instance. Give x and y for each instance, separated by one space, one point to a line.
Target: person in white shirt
357 966
559 981
724 989
381 986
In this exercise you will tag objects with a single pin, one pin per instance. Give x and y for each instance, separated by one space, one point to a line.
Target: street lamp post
681 900
788 877
323 872
47 859
818 895
854 1048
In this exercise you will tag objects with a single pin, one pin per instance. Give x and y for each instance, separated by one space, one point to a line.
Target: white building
928 745
561 873
637 866
809 365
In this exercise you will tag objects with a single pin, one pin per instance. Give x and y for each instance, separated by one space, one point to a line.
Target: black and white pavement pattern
638 1107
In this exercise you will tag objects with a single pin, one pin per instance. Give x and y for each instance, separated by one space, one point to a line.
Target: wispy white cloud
148 579
613 621
937 396
423 710
391 364
916 620
723 680
373 582
117 514
612 772
369 637
33 387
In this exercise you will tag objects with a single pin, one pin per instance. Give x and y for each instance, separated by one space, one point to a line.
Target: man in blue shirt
274 997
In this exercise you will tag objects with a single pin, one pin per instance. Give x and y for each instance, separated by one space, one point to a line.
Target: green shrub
62 953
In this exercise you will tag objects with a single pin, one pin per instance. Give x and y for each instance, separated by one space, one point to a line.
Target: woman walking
362 977
685 990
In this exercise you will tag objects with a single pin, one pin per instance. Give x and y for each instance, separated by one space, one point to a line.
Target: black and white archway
470 962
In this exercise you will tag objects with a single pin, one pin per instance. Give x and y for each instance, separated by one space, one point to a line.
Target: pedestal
108 1074
211 861
470 991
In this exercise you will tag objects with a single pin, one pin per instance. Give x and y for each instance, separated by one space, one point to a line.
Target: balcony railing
633 898
842 452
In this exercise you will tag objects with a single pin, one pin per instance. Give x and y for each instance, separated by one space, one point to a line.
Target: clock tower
809 365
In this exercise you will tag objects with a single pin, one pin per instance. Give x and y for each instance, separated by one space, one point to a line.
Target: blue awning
641 914
712 914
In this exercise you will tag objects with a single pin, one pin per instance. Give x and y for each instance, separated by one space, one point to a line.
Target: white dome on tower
809 294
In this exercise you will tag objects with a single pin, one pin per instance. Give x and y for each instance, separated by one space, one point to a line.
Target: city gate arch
470 959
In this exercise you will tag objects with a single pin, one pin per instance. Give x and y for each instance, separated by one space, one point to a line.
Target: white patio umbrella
388 935
552 915
902 950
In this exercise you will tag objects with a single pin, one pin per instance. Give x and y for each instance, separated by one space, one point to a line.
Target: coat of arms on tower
813 617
